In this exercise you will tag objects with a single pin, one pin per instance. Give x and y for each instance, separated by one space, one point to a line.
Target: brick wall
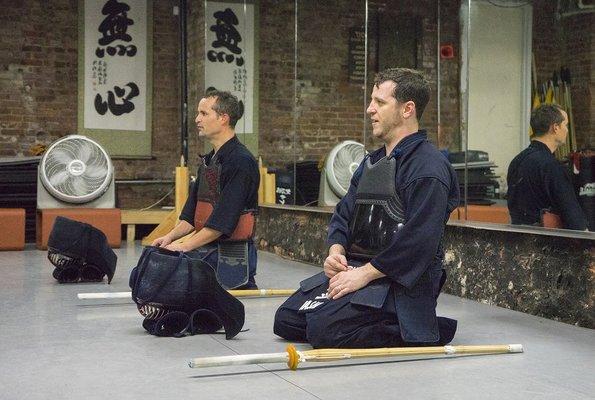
196 73
38 88
38 73
330 108
568 42
38 78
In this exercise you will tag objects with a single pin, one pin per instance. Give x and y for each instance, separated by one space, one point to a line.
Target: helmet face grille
76 169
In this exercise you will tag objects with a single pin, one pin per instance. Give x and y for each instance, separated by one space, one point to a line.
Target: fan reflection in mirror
340 165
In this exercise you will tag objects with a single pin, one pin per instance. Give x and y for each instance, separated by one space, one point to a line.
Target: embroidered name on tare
310 305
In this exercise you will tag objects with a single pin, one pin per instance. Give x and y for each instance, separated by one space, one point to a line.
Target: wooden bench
131 218
494 213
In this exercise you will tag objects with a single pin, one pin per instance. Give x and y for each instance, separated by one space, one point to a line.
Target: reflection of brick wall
579 56
330 109
276 49
568 42
449 71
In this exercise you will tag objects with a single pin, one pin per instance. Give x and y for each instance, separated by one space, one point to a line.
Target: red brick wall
568 42
38 88
38 73
38 78
196 76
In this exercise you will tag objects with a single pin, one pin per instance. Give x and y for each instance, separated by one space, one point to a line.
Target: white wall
499 79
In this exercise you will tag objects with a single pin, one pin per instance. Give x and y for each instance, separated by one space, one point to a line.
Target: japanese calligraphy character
227 35
222 56
114 26
126 107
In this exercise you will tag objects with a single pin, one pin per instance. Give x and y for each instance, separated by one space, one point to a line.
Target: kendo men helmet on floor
80 252
179 295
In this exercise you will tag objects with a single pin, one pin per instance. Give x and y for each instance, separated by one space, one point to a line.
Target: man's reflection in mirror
539 189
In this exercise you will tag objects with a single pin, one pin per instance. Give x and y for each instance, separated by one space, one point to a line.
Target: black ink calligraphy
125 107
227 37
114 27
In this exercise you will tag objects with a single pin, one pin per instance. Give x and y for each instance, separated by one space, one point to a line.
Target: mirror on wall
516 57
309 68
495 97
329 94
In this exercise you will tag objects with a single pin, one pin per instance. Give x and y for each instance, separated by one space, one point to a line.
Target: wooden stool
131 218
13 226
107 220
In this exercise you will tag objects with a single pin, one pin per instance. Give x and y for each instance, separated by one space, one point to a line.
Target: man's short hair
545 116
410 85
226 103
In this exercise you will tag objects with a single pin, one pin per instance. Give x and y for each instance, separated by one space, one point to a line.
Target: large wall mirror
516 56
308 84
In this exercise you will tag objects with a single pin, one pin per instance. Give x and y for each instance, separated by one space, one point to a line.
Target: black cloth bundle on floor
80 252
179 296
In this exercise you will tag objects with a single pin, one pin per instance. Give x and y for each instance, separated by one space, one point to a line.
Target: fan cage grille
76 169
343 161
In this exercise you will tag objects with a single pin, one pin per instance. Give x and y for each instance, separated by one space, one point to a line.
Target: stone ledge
548 276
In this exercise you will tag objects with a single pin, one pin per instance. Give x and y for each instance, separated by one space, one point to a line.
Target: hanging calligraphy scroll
229 56
115 75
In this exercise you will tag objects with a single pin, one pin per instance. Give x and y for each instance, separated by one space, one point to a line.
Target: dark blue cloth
348 323
428 187
210 255
239 187
537 181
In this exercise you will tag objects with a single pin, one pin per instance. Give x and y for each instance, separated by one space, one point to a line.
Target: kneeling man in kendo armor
223 200
179 286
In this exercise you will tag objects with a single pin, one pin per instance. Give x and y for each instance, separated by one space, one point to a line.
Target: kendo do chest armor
209 194
378 212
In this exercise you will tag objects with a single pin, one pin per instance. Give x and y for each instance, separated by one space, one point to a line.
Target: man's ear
554 127
224 118
409 109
